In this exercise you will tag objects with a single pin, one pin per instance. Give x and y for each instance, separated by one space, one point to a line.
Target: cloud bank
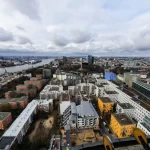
75 27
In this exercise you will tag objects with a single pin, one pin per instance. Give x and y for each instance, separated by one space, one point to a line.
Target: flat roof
6 141
122 119
147 86
65 96
138 101
86 109
100 85
5 101
3 115
111 92
63 106
105 99
126 105
18 124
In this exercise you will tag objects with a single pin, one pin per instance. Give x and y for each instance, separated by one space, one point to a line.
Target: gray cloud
23 40
60 40
80 36
96 27
20 28
5 35
26 7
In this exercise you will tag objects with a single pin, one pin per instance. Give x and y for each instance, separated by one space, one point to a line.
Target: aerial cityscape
74 75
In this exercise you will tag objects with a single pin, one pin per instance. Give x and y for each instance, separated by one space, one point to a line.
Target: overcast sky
75 27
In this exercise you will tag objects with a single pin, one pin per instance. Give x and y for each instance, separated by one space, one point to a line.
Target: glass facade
141 89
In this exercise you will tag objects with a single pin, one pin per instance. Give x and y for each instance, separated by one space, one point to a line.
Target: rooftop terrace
105 99
122 119
126 105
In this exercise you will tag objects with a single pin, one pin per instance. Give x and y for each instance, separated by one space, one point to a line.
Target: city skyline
73 27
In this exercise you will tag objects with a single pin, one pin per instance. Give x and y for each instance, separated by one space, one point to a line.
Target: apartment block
21 87
82 116
105 105
126 108
51 92
5 120
46 105
13 103
145 125
14 135
121 125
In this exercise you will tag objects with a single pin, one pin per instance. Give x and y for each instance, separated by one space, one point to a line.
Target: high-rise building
64 59
90 60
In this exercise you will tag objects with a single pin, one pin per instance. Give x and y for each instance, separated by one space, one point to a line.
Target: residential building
121 125
13 103
14 135
45 105
141 108
5 120
105 105
145 125
51 92
79 116
126 108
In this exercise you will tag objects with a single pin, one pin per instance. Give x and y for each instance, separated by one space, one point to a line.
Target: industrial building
105 105
121 125
5 120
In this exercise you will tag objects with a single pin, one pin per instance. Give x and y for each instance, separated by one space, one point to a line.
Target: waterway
25 67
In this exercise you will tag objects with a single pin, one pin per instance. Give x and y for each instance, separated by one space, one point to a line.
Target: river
24 67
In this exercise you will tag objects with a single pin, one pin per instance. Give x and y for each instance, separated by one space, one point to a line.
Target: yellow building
105 105
121 125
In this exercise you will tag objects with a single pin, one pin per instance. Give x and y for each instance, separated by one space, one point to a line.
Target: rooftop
143 84
122 119
3 115
86 109
105 99
111 92
6 141
126 105
63 106
4 101
18 124
65 97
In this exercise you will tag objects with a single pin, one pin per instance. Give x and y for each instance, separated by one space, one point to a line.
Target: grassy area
1 132
41 137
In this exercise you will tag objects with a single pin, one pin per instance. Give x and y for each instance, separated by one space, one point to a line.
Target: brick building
5 120
14 103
